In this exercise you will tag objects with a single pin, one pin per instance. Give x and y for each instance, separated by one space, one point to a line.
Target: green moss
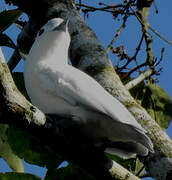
99 69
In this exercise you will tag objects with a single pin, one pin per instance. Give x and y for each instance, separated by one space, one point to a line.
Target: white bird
56 87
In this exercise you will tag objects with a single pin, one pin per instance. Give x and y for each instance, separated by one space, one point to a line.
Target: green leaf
156 101
69 172
18 176
133 164
26 147
138 92
8 17
6 41
158 104
127 163
7 153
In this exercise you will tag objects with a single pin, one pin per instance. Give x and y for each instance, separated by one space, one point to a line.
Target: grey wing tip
145 140
127 150
148 144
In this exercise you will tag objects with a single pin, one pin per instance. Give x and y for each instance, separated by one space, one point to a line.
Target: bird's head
55 24
53 40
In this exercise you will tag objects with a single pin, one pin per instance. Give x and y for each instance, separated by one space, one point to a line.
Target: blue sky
105 28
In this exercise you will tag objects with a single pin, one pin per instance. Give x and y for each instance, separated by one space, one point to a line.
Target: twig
2 58
20 24
143 13
138 48
5 6
145 175
119 172
117 34
129 59
140 171
139 79
160 36
14 60
155 6
137 67
152 29
101 9
79 8
145 74
161 57
91 8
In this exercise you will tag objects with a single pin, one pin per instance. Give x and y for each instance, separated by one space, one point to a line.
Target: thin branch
14 60
92 9
121 173
137 67
145 74
17 111
20 24
145 175
155 6
2 58
117 34
130 59
143 13
140 171
161 57
100 9
152 29
139 79
160 36
134 56
138 48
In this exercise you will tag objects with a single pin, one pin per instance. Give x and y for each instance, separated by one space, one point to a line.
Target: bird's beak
62 27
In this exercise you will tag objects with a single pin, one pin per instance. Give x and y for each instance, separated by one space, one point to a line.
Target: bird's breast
44 99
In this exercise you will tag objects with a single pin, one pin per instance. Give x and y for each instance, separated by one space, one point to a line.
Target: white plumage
56 87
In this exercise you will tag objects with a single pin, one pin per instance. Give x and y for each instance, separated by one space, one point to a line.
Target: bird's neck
52 50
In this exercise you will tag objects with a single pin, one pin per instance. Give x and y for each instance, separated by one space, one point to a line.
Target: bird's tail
131 140
126 149
145 140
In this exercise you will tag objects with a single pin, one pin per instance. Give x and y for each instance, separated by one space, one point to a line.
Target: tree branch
139 79
17 111
117 34
2 58
87 54
14 60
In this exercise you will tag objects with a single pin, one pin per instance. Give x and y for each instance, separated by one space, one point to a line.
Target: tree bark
87 54
55 133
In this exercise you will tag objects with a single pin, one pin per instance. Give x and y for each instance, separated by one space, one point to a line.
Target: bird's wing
76 87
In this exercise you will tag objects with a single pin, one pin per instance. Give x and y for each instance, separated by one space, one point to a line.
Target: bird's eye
40 32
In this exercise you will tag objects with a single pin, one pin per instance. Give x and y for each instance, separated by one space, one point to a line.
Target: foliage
21 144
6 41
156 101
8 17
6 151
18 176
133 165
27 148
71 172
158 105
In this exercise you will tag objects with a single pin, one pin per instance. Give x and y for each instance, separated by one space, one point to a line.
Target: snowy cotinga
56 87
